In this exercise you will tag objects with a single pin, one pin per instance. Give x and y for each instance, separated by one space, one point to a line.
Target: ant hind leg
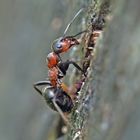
39 84
65 65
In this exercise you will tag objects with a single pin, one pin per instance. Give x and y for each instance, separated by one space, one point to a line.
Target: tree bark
111 111
118 76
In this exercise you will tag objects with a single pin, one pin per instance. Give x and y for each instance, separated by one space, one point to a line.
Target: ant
57 95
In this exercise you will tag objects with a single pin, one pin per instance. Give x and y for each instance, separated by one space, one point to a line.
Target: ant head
63 44
58 44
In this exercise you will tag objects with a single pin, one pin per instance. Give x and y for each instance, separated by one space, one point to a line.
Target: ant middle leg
73 40
63 66
84 31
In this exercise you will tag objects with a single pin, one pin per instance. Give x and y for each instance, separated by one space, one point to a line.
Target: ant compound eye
58 45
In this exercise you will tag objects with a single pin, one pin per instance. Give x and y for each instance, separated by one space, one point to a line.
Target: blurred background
27 29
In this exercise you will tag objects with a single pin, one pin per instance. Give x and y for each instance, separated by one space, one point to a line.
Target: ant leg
65 65
59 57
80 33
77 34
41 83
77 66
70 91
73 40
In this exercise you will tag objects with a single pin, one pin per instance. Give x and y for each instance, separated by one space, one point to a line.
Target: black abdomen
63 100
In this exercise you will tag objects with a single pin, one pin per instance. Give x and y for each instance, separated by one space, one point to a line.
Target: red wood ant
56 93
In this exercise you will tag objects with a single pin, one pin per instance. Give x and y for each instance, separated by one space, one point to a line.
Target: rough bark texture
118 75
115 81
86 96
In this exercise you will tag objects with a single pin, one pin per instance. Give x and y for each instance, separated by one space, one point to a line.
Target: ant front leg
65 65
73 40
39 84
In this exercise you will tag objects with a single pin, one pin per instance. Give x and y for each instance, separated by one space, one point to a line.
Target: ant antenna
78 34
72 21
